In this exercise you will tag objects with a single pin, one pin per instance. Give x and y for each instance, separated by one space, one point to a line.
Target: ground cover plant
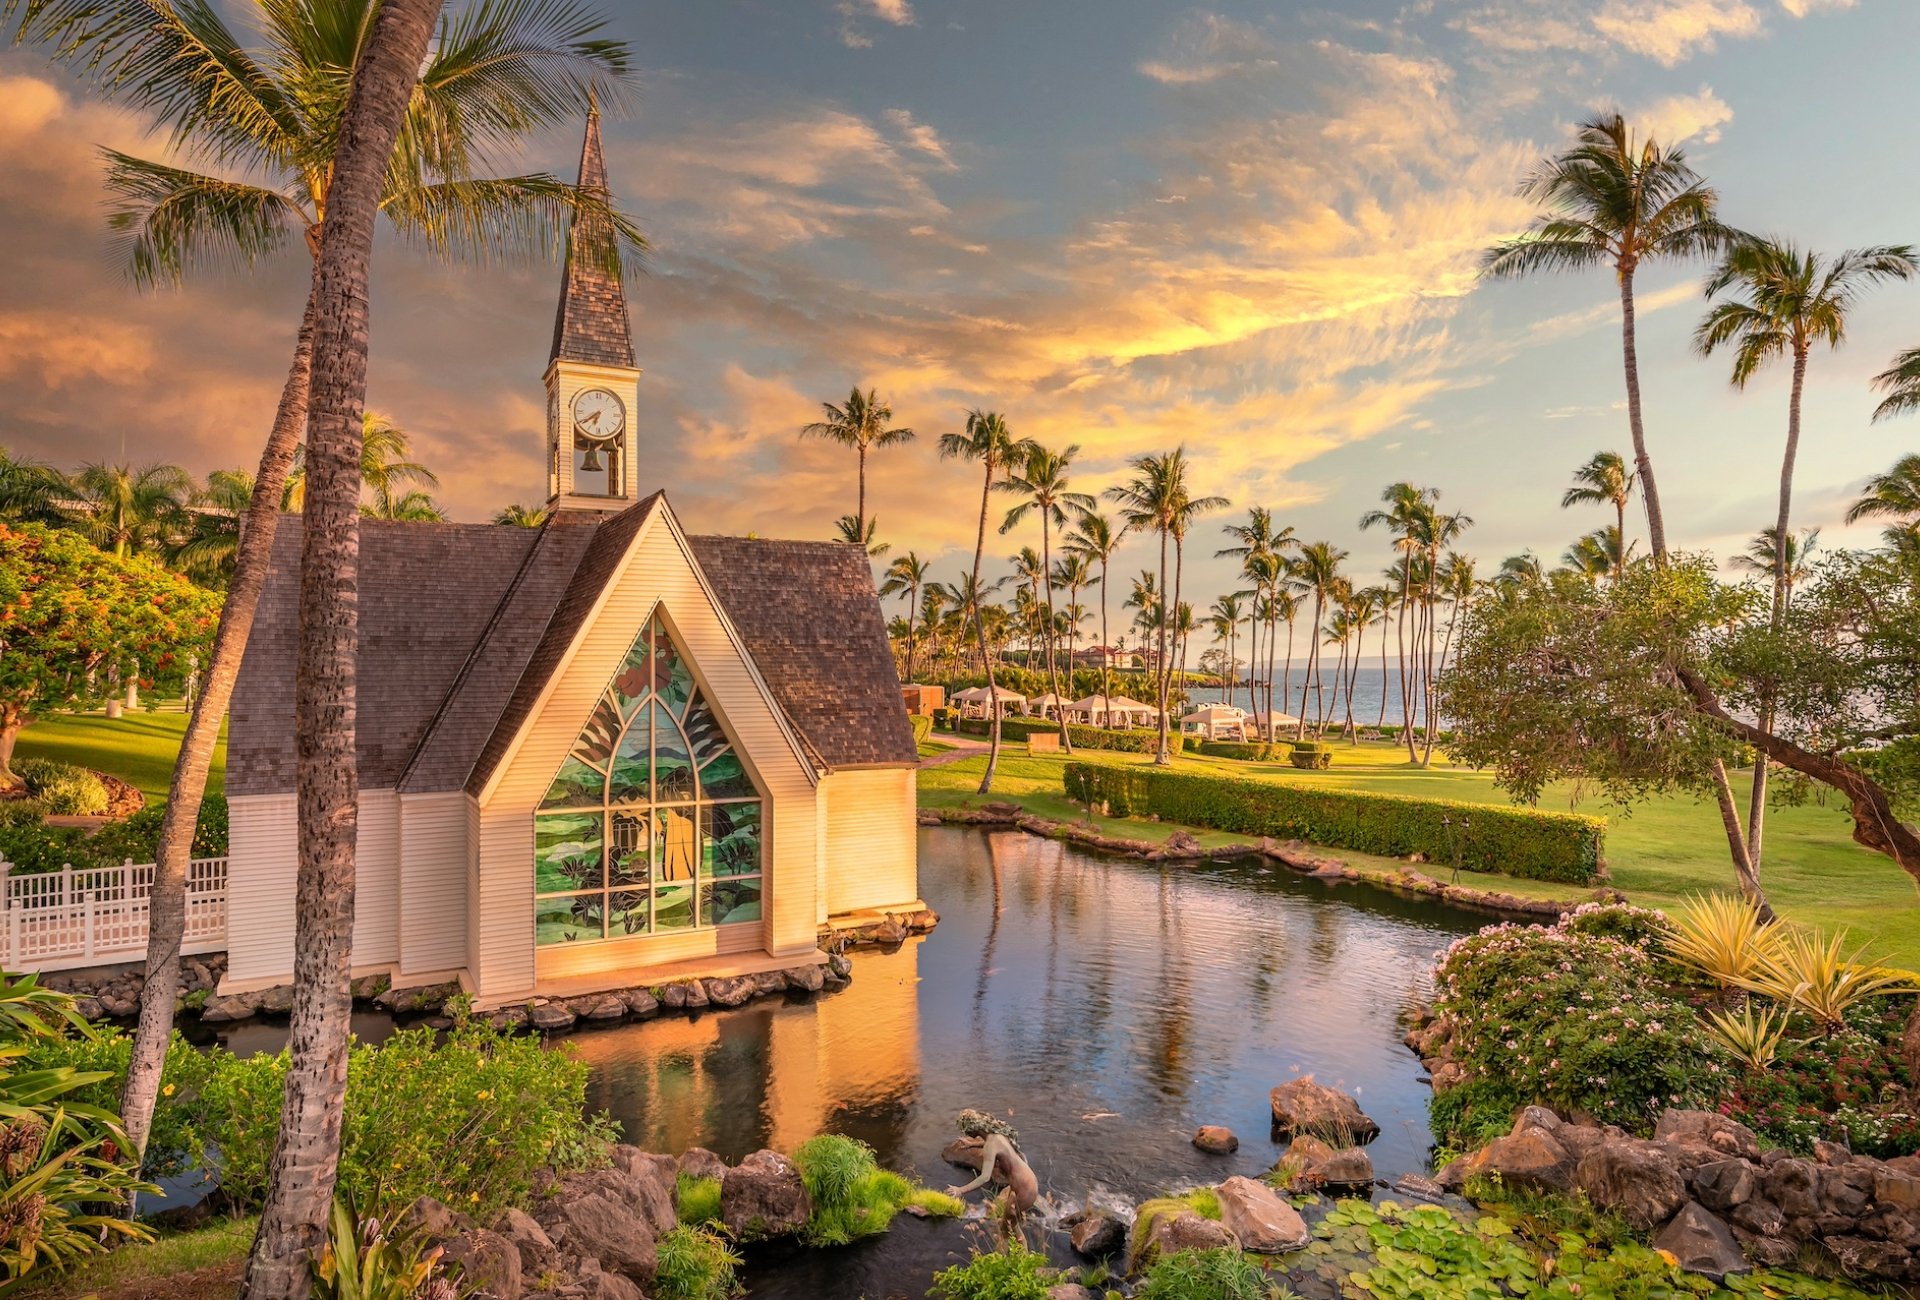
852 1196
1015 1273
694 1264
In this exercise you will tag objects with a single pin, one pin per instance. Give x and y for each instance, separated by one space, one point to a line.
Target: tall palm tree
1190 509
205 550
387 467
1073 571
1266 571
1893 495
1615 201
306 1153
1785 301
1041 480
413 507
904 578
30 491
1260 545
1439 532
1901 384
1095 538
1596 555
500 72
1316 571
1026 564
519 516
849 530
1225 617
1762 556
1403 511
862 424
127 510
990 444
1603 480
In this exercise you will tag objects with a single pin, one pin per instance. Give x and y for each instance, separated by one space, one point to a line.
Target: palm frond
513 219
167 218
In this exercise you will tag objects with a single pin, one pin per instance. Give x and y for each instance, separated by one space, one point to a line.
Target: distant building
923 701
1105 656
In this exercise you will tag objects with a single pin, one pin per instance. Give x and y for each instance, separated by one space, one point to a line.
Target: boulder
1527 1157
234 1006
1830 1153
807 979
1215 1140
1183 844
599 1006
763 1196
1635 1178
550 1017
1861 1257
1846 1190
1794 1185
1709 1129
489 1264
1324 1166
595 1283
429 1219
1760 1217
1165 1234
1095 1233
731 991
1257 1216
1891 1187
840 965
508 1018
1702 1243
698 1162
1538 1117
640 1002
1303 1106
684 995
276 1001
601 1226
648 1182
1070 1291
965 1152
1725 1184
537 1254
1420 1187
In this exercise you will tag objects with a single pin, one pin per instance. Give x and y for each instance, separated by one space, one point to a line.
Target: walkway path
964 747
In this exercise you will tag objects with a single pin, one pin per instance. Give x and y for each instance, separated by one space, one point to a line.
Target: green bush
947 718
1310 755
20 812
1136 740
694 1264
1521 842
1222 1273
1247 751
1013 1274
852 1196
63 789
35 847
696 1200
32 847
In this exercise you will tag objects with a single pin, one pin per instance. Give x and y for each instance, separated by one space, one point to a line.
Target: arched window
653 823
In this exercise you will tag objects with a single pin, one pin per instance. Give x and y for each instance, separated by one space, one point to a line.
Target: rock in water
763 1196
1263 1222
965 1152
702 1163
1529 1157
1303 1106
1215 1140
1322 1166
1158 1235
1702 1243
1095 1233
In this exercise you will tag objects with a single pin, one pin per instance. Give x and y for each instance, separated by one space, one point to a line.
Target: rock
1262 1222
1420 1187
118 1005
698 1162
508 1018
427 997
368 987
763 1196
684 995
1070 1291
1323 1166
1527 1157
1183 844
966 1152
1860 1257
90 1009
430 1219
537 1254
1760 1217
548 1017
1724 1184
1168 1233
276 1001
1447 1075
649 1182
1538 1117
730 991
1215 1140
640 1002
601 1006
840 964
1702 1243
1768 1252
806 979
1705 1127
234 1006
1830 1153
1846 1190
768 982
489 1264
1303 1106
598 1284
1635 1178
1890 1187
602 1226
1794 1185
1095 1233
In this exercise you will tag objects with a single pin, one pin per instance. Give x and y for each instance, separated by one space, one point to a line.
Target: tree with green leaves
989 443
205 550
1072 572
1403 511
1316 572
904 578
1894 495
30 492
1041 481
1224 620
1762 556
129 511
1260 547
848 527
519 516
1598 555
1096 539
864 423
1615 201
1604 480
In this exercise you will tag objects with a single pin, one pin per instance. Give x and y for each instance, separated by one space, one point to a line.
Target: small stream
1105 1007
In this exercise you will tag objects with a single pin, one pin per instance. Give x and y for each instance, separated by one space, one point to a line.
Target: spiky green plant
360 1261
1722 937
1752 1035
695 1264
1813 973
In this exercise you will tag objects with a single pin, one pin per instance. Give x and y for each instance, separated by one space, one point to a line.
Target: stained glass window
652 824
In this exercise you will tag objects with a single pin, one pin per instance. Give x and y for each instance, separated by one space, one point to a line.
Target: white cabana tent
1282 724
1048 705
973 701
1099 711
1216 722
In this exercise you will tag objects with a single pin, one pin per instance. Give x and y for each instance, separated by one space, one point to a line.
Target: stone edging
1183 847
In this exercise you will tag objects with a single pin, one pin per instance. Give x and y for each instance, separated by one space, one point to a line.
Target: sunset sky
1251 229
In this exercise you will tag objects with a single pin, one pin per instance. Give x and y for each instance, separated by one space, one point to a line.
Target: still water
1105 1007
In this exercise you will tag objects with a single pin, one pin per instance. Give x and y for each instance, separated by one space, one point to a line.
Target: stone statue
1000 1160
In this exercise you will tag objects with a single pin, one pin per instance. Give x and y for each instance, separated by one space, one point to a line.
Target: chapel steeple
592 383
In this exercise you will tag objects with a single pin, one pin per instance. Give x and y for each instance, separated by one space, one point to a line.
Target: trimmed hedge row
1139 740
1523 842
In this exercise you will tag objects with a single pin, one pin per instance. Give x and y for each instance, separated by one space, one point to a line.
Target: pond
1104 1006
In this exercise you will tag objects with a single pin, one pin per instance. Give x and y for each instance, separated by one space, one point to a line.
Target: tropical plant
1042 480
990 443
30 492
1316 571
1812 973
1403 511
1603 480
360 1260
1613 201
1222 1273
861 424
1894 495
1723 937
519 516
1094 538
1751 1035
1763 557
386 470
1597 555
694 1264
205 548
127 510
905 577
849 530
1261 548
1015 1273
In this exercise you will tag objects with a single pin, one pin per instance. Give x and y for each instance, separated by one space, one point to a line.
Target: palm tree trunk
1620 532
1286 687
1353 674
1161 757
1744 872
980 628
1400 636
860 502
1642 463
1180 635
167 903
1313 656
1053 670
1426 668
306 1153
1381 724
1106 644
1757 805
1273 639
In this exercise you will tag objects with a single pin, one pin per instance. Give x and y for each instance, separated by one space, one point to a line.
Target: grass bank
1658 852
138 747
201 1264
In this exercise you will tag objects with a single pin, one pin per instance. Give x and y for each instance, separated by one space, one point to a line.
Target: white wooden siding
376 880
872 852
432 911
658 569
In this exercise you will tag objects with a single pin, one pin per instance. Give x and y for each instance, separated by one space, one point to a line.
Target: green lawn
1658 852
201 1263
138 746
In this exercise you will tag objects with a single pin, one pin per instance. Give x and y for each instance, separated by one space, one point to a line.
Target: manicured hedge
1248 751
1522 842
1139 740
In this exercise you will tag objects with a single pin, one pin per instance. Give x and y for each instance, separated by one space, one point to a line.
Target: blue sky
1247 228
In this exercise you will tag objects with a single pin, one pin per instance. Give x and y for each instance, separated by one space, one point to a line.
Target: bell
592 463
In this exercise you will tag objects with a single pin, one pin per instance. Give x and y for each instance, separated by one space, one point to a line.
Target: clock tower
592 383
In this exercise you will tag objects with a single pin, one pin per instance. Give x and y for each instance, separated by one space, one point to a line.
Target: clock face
598 414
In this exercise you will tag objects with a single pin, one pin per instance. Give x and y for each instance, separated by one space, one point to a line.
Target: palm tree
127 510
1761 556
1260 547
519 516
1893 495
1787 300
862 425
205 551
1225 618
848 526
1596 555
413 507
1901 384
306 1153
1604 480
1042 481
498 74
1404 510
1613 201
1026 565
30 491
1095 539
988 442
1316 569
905 577
1073 570
1144 597
387 469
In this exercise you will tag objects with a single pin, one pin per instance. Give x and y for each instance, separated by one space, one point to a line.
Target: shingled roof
591 322
462 625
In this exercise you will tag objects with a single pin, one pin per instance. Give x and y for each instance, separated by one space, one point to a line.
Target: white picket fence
59 920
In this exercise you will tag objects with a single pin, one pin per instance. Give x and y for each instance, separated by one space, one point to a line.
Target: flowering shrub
1851 1083
1569 1016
